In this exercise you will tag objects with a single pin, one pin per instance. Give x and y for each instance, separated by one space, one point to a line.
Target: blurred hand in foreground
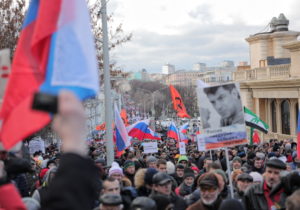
69 123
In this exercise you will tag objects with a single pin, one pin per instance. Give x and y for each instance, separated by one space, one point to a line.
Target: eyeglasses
208 189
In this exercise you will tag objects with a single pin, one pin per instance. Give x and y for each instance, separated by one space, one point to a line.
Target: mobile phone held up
45 102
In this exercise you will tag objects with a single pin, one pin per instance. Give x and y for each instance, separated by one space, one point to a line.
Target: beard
210 201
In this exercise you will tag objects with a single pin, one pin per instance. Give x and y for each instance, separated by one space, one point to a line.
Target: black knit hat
149 175
188 172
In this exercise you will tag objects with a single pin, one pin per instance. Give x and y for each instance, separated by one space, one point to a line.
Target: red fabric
27 74
256 138
10 199
267 196
177 191
43 173
178 103
124 117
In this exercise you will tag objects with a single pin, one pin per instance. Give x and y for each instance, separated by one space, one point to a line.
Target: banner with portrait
222 116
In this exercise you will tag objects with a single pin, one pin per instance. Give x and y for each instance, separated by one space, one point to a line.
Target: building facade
270 86
168 69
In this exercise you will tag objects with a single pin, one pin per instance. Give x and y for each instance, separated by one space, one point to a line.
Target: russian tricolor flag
141 131
173 132
184 127
122 138
298 136
55 51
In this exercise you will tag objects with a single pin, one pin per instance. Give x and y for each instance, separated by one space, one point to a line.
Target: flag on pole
122 138
184 128
253 121
173 132
140 130
298 137
178 103
124 117
55 51
183 131
256 138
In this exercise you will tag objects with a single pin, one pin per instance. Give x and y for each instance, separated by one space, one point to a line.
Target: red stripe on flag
27 74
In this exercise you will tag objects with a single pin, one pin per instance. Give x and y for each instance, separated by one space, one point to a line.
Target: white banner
150 147
36 144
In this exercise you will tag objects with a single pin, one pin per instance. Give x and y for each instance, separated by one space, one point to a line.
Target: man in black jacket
162 185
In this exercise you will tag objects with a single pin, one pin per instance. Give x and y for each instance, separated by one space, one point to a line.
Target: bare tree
11 20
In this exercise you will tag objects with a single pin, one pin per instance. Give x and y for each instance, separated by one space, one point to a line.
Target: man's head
162 183
183 160
209 188
111 186
162 165
272 173
243 182
225 99
258 163
163 155
179 170
189 177
207 161
151 162
236 163
129 167
111 202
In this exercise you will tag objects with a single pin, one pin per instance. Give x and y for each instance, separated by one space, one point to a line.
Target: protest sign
36 144
222 116
150 147
201 142
182 149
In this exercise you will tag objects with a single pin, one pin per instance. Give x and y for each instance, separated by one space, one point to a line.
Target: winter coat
254 198
200 206
178 202
74 186
10 198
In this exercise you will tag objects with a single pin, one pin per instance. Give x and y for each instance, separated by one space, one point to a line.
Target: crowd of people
76 176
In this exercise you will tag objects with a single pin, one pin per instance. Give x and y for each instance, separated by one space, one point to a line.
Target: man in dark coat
257 197
162 185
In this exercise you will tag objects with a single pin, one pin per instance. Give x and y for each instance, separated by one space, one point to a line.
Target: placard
201 142
150 147
36 144
222 116
182 149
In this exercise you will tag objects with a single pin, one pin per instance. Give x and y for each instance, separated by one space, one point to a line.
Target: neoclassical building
271 85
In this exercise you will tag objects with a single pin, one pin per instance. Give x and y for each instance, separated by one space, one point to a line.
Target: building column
256 104
278 116
293 124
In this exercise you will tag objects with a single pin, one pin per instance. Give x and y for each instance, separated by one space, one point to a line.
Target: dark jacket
200 206
74 186
254 198
178 202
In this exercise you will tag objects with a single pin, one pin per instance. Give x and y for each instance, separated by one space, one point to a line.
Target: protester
210 185
258 196
162 185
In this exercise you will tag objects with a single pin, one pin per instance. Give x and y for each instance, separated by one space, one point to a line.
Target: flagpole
107 88
229 172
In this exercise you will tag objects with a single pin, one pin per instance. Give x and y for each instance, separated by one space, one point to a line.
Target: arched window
273 116
285 117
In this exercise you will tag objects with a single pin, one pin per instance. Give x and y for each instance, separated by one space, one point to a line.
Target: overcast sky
184 32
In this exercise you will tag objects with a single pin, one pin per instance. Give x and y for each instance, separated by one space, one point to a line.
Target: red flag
178 103
124 117
101 127
256 138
